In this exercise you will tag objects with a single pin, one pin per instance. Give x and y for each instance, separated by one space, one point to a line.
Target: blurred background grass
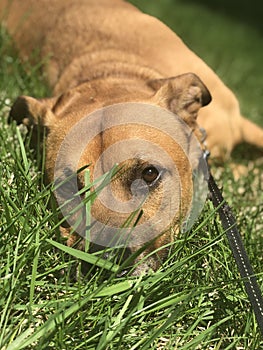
227 35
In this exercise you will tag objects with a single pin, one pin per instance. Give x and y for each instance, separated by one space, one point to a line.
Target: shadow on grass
249 12
246 152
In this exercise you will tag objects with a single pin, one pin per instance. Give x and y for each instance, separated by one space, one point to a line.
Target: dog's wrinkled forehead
130 130
144 116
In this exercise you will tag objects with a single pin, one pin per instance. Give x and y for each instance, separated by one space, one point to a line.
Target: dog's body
101 52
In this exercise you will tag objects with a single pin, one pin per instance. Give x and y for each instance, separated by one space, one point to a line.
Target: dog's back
59 31
64 30
83 39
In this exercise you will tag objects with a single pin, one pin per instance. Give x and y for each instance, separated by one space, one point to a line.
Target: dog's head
145 139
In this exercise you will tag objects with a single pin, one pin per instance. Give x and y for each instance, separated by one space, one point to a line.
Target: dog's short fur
101 52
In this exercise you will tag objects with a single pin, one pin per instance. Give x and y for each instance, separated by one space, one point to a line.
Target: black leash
238 250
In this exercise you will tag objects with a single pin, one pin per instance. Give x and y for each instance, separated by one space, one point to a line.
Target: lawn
196 300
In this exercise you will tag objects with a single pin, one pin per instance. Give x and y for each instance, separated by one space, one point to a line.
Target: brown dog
100 53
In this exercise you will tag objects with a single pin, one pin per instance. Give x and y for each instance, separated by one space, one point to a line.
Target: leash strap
238 250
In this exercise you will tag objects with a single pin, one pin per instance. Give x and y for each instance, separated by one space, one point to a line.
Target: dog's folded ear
183 95
41 112
32 112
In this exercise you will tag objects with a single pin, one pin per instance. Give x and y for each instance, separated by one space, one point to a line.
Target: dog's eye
150 174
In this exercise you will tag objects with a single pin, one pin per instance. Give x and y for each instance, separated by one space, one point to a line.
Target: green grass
196 300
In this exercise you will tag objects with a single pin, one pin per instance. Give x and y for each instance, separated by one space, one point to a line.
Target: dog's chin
145 268
142 264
